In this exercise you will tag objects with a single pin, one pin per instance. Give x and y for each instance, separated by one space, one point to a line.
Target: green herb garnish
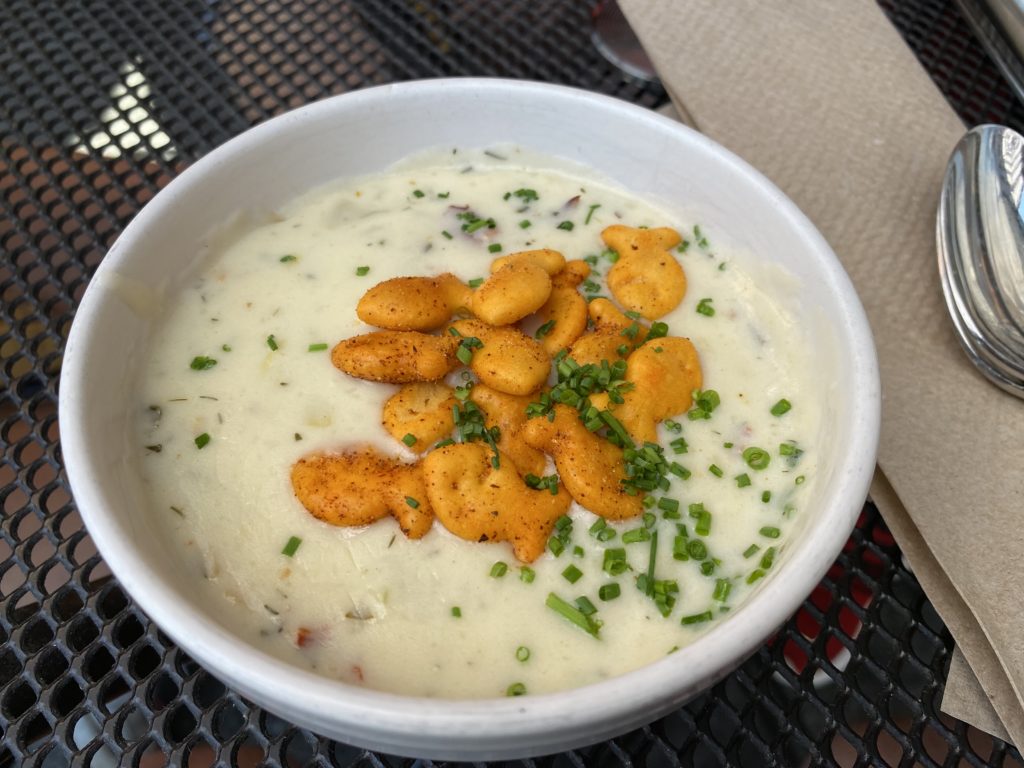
704 307
202 363
756 458
291 547
588 624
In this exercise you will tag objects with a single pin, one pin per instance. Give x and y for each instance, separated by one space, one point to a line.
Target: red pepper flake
357 671
303 637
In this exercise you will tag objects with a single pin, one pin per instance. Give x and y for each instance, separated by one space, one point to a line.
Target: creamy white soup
239 385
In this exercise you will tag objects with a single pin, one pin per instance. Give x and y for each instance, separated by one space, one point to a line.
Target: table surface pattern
102 103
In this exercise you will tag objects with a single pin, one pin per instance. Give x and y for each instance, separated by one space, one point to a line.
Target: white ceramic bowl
366 131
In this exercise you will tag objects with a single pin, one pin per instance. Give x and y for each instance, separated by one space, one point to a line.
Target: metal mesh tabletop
102 102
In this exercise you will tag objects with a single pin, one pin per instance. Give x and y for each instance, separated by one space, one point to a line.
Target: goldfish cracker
509 360
591 468
396 357
414 303
422 410
517 289
480 502
508 414
550 261
646 278
359 487
664 373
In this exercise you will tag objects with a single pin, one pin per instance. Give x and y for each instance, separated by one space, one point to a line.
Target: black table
101 104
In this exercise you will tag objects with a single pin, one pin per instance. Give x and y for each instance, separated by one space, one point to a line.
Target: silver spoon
980 234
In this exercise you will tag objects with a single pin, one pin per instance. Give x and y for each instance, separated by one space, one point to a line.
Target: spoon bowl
980 237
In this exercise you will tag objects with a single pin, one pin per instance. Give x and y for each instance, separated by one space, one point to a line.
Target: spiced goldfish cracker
396 357
357 488
420 414
647 278
413 303
478 501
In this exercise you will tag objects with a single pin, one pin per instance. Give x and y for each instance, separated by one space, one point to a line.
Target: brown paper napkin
827 101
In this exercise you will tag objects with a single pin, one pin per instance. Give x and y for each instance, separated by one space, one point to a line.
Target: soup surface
238 385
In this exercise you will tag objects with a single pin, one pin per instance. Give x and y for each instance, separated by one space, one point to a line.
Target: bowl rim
471 728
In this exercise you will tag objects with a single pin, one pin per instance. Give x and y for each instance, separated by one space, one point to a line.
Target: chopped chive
609 591
202 363
800 479
567 226
298 437
590 212
556 546
668 505
287 258
417 193
750 551
679 470
498 570
742 481
527 574
409 439
156 448
572 574
636 535
476 282
696 618
770 532
586 607
756 458
291 547
456 612
696 549
525 224
615 563
362 271
516 689
768 558
494 247
679 445
202 441
544 330
573 614
781 407
527 195
716 470
704 308
226 347
522 653
317 347
766 496
272 343
722 589
464 354
443 195
755 575
412 502
446 234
